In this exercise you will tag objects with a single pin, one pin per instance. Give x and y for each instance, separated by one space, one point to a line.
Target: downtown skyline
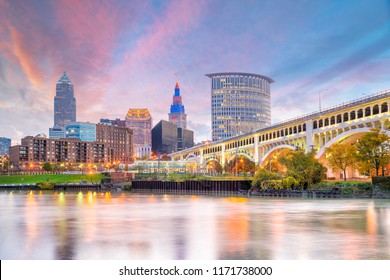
122 54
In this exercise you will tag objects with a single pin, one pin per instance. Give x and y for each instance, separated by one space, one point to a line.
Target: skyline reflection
93 225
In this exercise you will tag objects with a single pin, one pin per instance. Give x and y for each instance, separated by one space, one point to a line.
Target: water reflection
91 225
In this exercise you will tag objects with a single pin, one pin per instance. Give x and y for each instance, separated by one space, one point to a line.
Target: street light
319 97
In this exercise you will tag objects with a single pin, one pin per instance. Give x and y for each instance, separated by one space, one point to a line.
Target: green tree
264 175
47 166
340 156
303 167
373 150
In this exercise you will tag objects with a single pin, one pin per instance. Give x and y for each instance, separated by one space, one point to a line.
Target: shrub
127 187
272 184
347 191
46 185
264 175
289 182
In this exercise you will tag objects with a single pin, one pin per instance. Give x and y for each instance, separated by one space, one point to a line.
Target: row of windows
340 118
282 132
239 81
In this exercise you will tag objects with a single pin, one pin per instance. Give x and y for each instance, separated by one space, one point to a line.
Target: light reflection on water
47 225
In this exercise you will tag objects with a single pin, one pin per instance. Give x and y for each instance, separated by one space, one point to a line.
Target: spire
64 78
177 84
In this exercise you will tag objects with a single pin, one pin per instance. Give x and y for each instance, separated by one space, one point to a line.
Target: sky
124 54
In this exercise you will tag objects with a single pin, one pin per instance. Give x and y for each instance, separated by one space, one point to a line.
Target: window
375 110
367 111
352 115
326 121
384 107
360 113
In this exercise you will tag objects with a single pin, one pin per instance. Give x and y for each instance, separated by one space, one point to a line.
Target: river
116 226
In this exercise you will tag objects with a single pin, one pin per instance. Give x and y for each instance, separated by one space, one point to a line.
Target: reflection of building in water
66 243
179 238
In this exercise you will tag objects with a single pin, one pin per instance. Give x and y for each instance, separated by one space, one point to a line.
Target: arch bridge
317 130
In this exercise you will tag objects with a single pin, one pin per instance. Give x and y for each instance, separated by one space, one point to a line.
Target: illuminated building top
177 113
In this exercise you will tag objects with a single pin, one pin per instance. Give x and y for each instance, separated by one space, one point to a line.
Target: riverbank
198 185
52 178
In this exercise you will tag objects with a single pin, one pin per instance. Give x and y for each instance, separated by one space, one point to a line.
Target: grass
53 178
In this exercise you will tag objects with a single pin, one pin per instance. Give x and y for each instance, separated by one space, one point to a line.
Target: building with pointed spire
64 102
177 114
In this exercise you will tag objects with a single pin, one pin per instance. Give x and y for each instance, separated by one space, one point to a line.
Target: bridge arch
341 137
210 160
271 151
192 157
241 154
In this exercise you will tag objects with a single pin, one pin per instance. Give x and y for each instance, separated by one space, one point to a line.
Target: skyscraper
177 115
168 138
240 103
140 122
64 102
5 143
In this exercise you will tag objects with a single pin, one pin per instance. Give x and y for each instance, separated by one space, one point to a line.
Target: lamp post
319 97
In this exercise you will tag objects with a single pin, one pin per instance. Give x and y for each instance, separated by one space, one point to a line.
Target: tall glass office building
5 143
64 102
240 103
81 131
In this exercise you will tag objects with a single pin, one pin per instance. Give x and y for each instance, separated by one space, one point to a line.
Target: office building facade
240 103
5 143
83 131
140 122
64 102
57 132
168 138
177 113
185 138
34 151
116 122
164 138
118 141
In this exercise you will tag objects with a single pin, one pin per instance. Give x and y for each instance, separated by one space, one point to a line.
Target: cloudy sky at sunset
123 54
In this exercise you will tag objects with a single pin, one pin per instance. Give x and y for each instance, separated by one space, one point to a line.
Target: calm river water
36 225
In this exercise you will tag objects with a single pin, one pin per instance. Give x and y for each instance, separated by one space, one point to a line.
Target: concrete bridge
346 122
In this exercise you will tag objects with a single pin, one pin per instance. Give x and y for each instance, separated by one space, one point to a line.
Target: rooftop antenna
176 76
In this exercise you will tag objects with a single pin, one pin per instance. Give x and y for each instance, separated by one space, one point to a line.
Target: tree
47 166
340 156
373 150
264 175
303 167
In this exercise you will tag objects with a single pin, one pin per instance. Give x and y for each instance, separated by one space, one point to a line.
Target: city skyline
122 55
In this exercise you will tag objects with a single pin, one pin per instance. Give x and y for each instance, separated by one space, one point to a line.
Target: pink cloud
176 20
26 60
